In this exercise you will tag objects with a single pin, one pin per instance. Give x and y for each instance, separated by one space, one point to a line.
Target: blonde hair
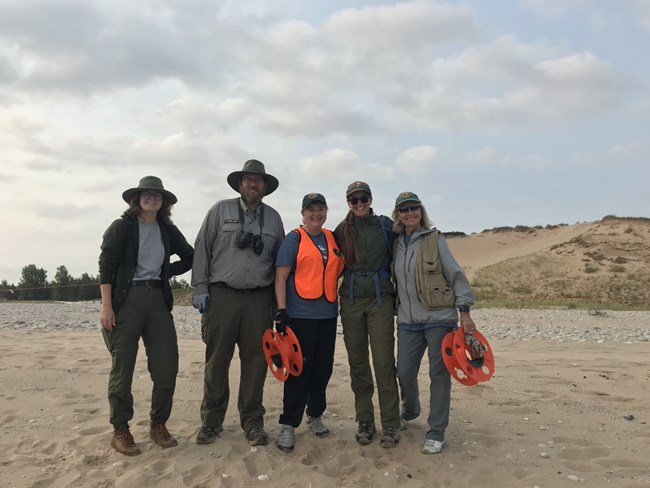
425 222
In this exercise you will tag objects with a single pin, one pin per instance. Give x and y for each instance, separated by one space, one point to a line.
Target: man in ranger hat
232 275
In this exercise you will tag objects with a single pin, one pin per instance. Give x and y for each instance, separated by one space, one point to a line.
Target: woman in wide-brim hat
134 273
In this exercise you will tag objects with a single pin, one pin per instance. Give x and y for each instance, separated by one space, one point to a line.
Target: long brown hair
350 239
164 214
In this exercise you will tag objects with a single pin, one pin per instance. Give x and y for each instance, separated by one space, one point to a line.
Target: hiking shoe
123 442
365 432
257 437
207 435
403 423
287 438
432 447
161 436
389 437
317 426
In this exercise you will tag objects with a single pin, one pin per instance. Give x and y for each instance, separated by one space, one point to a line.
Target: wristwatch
463 308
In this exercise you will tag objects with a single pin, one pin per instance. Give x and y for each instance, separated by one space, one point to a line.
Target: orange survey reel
459 362
283 353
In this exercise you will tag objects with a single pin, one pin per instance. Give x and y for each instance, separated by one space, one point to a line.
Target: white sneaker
403 423
287 438
317 426
432 447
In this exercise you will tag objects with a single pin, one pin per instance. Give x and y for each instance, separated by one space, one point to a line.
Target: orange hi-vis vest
312 277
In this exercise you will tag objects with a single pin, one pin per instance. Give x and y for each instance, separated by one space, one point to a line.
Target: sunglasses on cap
355 200
411 208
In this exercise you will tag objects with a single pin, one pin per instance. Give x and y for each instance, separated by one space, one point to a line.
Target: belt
221 284
147 283
375 277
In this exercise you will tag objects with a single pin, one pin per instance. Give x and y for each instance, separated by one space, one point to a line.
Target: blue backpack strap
386 227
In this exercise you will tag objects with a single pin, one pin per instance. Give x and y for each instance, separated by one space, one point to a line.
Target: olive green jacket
375 257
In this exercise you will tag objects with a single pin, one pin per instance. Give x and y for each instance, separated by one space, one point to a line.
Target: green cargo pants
367 321
144 314
235 317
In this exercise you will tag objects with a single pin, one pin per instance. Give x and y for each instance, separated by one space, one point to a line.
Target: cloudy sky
497 113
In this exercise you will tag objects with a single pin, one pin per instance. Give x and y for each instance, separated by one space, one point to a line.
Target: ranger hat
312 198
257 167
406 196
149 183
357 186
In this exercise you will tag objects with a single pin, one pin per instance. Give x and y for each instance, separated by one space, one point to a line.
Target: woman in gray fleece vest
432 292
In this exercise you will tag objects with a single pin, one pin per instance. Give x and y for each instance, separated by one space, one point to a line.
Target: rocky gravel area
554 324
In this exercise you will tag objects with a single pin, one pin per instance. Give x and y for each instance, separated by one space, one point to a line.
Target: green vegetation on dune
608 265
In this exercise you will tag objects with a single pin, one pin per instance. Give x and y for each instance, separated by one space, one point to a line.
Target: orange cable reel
468 370
282 352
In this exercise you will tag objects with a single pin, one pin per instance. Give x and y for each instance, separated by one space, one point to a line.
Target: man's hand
280 320
200 302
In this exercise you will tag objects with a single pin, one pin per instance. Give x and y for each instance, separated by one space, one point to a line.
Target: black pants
317 338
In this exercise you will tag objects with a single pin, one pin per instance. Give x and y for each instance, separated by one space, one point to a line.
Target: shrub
595 255
580 241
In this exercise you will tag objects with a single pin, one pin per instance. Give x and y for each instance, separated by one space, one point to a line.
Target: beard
252 198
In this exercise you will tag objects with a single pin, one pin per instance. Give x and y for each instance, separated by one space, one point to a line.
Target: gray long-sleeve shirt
411 311
217 257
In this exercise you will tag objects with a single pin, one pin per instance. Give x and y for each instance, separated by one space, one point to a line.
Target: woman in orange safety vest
308 266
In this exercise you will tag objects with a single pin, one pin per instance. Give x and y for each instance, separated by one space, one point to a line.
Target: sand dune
479 250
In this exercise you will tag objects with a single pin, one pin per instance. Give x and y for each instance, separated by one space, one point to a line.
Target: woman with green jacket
365 239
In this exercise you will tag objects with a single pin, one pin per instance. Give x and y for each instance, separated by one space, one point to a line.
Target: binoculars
248 239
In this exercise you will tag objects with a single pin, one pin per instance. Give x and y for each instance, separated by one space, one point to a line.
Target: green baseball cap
406 196
312 198
358 186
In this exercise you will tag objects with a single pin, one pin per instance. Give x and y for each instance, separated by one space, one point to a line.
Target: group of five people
247 275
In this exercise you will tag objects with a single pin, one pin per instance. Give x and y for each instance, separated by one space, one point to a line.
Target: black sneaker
366 432
207 435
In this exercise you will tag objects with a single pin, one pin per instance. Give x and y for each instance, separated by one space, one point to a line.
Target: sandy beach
568 405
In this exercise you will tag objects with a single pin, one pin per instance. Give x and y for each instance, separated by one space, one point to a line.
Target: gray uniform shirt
411 310
217 257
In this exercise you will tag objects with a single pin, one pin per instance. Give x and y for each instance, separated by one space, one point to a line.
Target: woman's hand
107 318
467 323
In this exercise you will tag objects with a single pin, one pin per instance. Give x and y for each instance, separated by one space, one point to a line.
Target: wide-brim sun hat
152 184
256 167
407 196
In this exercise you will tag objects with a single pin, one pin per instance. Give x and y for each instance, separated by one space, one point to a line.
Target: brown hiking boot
366 432
389 437
161 436
123 442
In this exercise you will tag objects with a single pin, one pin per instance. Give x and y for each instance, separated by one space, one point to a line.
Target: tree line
34 285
